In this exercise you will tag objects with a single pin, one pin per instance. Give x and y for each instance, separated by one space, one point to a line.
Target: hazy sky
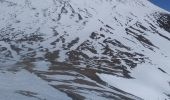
162 3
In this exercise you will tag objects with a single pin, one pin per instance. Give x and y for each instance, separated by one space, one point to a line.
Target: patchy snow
72 19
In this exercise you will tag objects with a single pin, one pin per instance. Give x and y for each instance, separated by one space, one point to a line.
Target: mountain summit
88 49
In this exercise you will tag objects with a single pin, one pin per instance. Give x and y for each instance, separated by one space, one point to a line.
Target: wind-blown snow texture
84 49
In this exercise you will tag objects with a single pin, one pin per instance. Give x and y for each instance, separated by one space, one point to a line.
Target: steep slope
107 49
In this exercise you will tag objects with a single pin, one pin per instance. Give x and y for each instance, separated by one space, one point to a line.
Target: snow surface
148 83
14 82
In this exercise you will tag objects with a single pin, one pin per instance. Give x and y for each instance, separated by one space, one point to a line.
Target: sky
165 4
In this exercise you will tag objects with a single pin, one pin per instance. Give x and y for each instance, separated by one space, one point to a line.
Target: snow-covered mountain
88 49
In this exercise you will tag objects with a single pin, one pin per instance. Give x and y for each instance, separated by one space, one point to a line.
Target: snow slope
88 49
19 84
